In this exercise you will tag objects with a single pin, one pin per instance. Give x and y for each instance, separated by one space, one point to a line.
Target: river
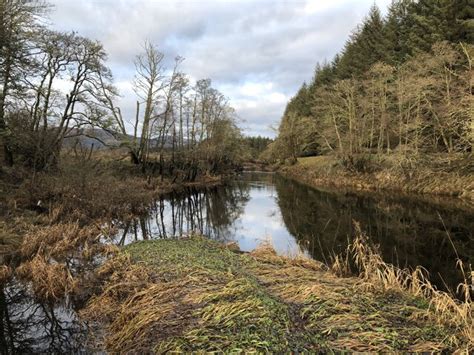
256 208
297 219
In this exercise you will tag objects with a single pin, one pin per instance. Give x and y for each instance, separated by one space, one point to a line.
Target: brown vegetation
447 309
195 295
50 281
423 175
57 225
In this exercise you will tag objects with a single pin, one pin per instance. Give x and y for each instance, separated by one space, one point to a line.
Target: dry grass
126 279
55 256
194 295
50 282
319 162
447 309
348 319
63 240
5 273
183 299
12 230
436 175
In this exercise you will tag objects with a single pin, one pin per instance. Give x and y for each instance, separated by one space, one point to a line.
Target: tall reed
447 308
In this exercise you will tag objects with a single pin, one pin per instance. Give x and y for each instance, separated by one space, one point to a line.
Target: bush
358 163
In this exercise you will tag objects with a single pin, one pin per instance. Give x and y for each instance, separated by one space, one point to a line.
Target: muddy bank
325 171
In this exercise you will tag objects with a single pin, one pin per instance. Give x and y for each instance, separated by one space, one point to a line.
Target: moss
196 295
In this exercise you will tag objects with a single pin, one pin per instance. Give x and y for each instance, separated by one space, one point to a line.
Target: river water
262 207
296 219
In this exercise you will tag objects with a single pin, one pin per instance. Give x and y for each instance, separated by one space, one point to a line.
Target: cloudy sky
257 52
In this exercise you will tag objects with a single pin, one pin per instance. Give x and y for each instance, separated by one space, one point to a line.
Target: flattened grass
196 295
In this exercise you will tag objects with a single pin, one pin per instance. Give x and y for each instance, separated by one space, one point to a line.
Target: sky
257 52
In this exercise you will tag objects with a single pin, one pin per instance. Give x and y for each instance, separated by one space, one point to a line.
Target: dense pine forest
403 83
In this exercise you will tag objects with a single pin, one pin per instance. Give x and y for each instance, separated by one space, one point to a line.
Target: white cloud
258 52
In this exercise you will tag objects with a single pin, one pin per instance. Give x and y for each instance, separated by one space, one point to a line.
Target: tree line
403 83
254 146
56 85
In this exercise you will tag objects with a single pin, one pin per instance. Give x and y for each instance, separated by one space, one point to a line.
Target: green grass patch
197 295
319 162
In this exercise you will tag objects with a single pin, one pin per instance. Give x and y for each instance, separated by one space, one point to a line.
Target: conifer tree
403 80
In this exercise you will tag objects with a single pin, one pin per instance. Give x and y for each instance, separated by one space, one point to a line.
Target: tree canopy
403 81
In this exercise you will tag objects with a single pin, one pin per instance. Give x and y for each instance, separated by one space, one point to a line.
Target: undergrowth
441 174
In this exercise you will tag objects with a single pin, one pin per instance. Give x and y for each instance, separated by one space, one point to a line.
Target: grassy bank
57 226
85 193
436 175
196 295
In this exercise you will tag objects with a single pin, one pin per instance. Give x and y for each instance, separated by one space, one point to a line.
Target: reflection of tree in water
211 212
409 232
28 326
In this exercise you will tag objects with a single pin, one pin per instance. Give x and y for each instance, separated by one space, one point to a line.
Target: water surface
252 209
297 219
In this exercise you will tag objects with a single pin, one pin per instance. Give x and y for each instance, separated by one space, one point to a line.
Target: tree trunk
8 154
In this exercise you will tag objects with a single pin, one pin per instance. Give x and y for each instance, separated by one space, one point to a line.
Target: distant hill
101 139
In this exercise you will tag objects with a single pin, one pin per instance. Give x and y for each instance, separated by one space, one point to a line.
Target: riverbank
424 176
56 228
83 199
197 294
255 165
51 220
193 294
85 192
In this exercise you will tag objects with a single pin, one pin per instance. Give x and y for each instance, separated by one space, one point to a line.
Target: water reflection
409 232
250 210
211 212
245 211
298 219
29 326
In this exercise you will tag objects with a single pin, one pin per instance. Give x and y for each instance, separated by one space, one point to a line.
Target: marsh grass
63 240
193 294
447 309
53 257
12 230
50 281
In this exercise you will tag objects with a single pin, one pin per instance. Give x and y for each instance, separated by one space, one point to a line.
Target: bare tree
148 84
18 25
